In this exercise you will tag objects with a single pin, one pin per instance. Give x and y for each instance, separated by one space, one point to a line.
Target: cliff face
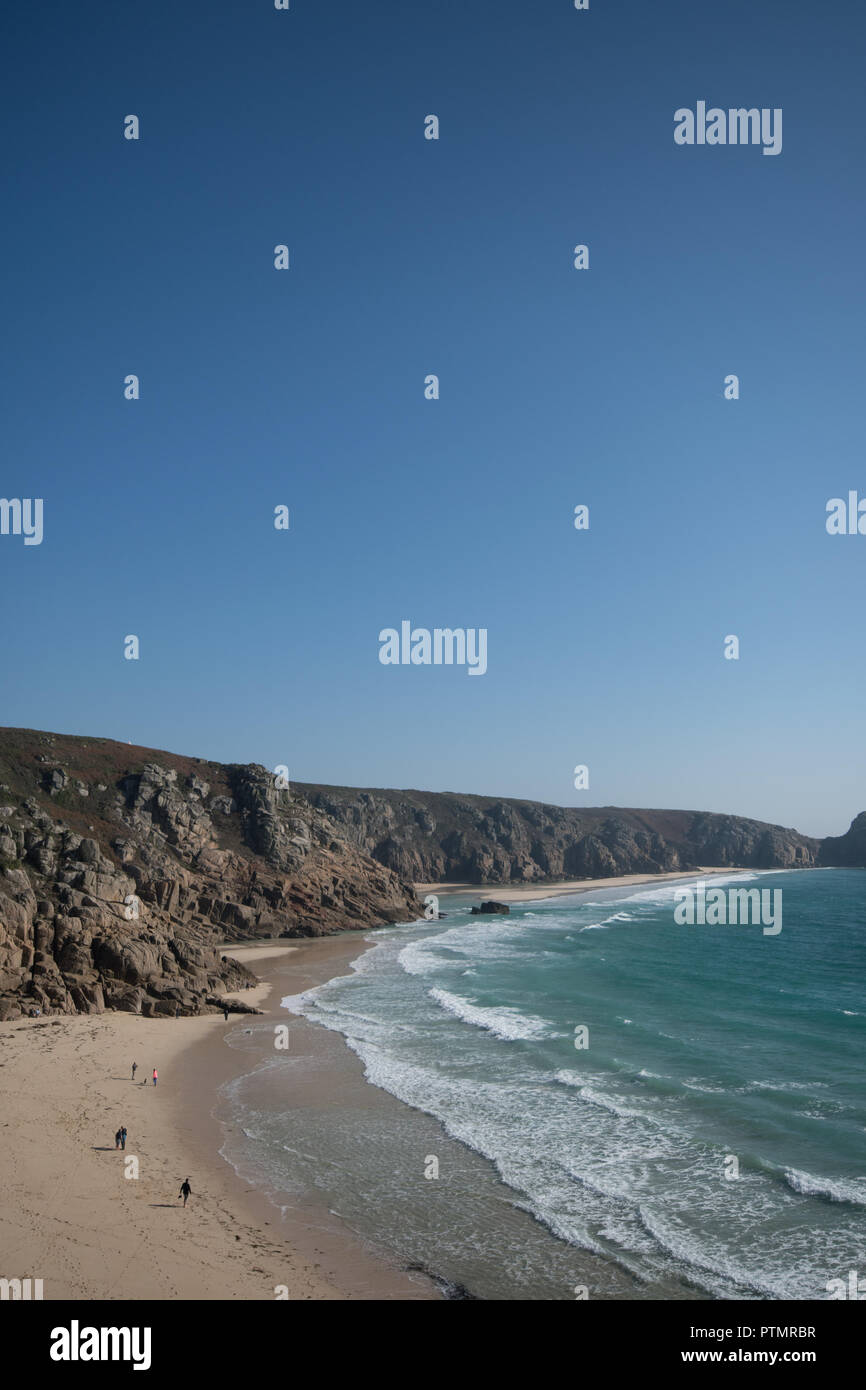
846 851
437 836
122 868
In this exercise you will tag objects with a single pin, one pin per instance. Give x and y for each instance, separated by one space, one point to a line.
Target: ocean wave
597 1098
617 1141
606 922
804 1086
700 1262
466 944
298 1003
506 1023
830 1189
418 959
665 894
624 1112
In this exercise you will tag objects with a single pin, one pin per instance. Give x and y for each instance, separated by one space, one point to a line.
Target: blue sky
558 387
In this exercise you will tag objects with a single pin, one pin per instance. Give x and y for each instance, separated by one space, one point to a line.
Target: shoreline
537 892
349 1265
68 1214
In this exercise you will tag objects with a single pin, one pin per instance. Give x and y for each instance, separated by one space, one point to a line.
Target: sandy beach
70 1217
527 892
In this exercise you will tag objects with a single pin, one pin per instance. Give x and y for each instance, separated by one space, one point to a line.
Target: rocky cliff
437 836
846 851
122 869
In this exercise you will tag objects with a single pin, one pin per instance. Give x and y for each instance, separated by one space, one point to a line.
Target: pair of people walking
144 1082
120 1138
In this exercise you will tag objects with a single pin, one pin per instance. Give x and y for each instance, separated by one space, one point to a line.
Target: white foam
695 1255
665 894
608 921
506 1023
831 1189
418 959
617 1164
298 1003
469 943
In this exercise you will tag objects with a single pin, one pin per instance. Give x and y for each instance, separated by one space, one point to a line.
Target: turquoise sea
709 1142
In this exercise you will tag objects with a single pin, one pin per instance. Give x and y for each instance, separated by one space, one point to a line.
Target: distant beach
537 892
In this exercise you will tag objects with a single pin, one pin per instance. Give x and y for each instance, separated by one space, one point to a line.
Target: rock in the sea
489 909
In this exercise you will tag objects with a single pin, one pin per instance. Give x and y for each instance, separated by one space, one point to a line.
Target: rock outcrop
490 909
846 851
434 837
122 870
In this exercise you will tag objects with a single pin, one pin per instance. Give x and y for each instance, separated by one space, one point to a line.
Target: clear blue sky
558 387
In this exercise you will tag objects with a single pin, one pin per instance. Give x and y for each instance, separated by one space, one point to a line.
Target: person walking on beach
134 1069
185 1191
123 1137
154 1075
226 1012
117 1140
